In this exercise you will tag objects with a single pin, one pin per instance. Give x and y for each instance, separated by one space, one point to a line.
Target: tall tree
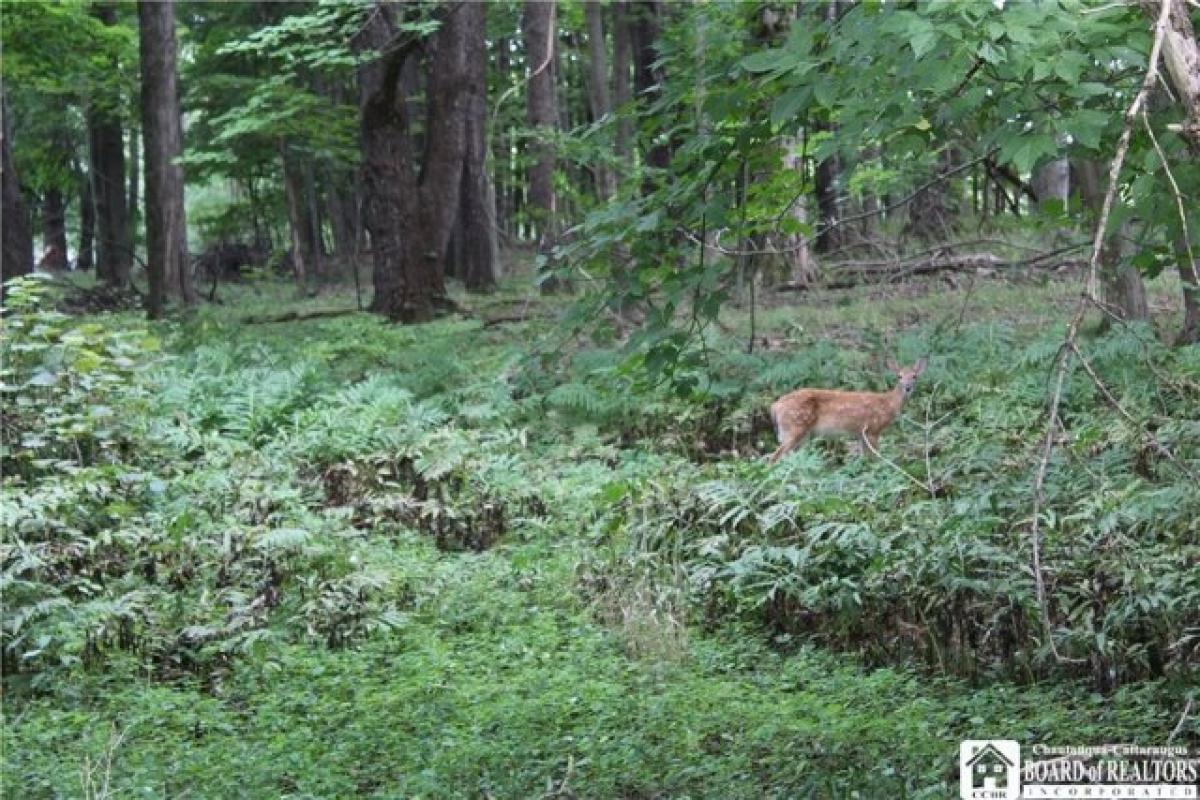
1181 55
622 88
1122 284
54 231
599 97
929 213
166 222
410 207
114 238
18 242
827 177
538 25
299 220
1052 181
648 75
474 254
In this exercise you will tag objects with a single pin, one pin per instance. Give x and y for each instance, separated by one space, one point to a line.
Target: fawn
828 412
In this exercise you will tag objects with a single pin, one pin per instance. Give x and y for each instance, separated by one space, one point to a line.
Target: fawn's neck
896 398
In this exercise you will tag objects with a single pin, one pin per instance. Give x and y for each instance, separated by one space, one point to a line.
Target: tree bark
599 98
648 79
54 232
298 221
826 178
539 28
134 178
1181 56
1121 282
166 222
1052 181
410 216
541 110
928 217
87 226
1189 276
501 149
796 246
340 204
474 257
18 241
114 236
114 256
315 227
622 90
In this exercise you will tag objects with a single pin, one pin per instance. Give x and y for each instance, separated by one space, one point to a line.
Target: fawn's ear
920 366
891 365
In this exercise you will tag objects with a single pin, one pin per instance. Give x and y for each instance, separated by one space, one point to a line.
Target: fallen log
847 275
297 316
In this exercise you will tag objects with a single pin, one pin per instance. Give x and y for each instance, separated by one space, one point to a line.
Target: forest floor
411 562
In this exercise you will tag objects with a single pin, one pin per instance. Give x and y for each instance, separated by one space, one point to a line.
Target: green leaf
1086 126
1024 151
991 54
768 61
921 36
789 104
1069 65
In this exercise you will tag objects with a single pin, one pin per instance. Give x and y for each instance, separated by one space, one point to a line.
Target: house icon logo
989 769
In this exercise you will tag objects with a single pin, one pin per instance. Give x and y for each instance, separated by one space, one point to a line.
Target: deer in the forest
828 412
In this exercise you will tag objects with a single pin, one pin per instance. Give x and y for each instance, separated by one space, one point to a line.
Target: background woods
400 371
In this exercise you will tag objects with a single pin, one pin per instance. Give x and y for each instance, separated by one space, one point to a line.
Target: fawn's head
908 375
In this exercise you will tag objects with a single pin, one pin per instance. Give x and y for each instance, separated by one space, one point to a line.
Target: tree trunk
1189 276
1181 56
648 79
18 241
166 223
411 216
312 216
928 217
1122 284
114 236
599 98
134 178
476 258
797 255
868 227
54 232
622 90
298 223
542 113
826 178
87 226
539 27
501 149
341 214
1052 181
114 256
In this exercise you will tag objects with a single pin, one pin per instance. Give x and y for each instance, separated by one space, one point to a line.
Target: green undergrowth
462 559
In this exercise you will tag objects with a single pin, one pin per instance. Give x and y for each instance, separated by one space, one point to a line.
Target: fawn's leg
789 444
